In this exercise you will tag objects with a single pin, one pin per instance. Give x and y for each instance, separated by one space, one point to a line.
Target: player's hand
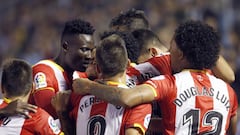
18 107
81 85
91 71
61 100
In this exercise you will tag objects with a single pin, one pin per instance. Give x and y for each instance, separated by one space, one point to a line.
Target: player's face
79 54
175 56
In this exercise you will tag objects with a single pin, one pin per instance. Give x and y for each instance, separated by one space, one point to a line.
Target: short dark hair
199 42
145 37
16 77
77 26
127 19
111 55
131 43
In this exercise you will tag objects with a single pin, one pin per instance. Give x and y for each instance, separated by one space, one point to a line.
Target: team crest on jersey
147 120
40 80
53 125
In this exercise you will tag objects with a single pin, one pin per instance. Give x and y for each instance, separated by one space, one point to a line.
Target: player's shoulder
43 62
46 65
161 57
45 69
42 119
39 113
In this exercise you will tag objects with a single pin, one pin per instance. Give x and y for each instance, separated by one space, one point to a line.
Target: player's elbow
231 78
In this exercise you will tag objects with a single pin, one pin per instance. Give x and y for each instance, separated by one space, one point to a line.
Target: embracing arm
233 126
133 131
17 107
223 70
61 104
115 95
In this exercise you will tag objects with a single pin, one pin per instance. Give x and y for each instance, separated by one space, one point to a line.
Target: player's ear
99 72
180 54
153 52
65 46
98 69
129 63
2 89
33 87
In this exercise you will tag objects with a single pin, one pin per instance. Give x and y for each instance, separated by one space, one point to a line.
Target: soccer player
99 116
150 46
17 85
192 100
53 75
149 43
128 21
131 44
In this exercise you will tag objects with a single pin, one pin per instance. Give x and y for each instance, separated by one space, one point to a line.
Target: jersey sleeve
44 78
45 124
45 89
159 65
162 63
138 117
162 85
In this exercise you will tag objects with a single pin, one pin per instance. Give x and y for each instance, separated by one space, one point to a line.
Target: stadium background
31 29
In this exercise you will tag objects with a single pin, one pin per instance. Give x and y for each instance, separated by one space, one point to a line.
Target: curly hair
131 43
127 18
77 26
199 43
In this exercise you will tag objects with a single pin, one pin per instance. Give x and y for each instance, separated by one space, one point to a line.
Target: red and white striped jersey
159 65
41 123
49 78
49 75
94 116
194 102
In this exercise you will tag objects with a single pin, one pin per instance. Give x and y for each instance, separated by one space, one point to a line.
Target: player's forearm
113 95
133 131
67 124
121 96
3 113
233 125
223 70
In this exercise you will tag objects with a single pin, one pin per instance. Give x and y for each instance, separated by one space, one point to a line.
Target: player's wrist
63 113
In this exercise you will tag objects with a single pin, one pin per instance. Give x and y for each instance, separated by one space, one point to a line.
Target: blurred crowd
31 29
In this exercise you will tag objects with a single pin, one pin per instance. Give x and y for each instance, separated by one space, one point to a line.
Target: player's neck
59 60
22 98
120 78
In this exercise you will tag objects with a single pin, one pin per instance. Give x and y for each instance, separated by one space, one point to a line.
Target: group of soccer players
140 87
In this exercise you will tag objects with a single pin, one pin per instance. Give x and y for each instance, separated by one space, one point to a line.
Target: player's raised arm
223 70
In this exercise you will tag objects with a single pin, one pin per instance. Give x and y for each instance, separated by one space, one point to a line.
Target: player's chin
83 67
